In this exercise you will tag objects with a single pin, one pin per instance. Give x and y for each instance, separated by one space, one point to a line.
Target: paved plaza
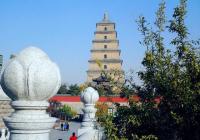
57 134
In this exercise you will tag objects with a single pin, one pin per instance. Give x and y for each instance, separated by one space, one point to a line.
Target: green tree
173 77
74 90
67 112
186 83
63 89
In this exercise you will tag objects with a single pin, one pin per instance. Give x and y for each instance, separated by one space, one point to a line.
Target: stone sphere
89 96
31 75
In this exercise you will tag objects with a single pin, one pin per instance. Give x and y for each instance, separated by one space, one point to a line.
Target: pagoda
105 52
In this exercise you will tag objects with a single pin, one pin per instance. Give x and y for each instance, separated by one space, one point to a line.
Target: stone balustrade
30 79
88 126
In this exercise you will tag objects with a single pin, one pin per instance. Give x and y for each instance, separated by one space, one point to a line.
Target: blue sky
64 29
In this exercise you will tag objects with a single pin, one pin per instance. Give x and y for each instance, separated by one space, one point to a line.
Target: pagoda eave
105 41
104 32
104 23
100 71
107 61
105 50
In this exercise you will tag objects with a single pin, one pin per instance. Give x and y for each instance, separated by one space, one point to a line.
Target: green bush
67 112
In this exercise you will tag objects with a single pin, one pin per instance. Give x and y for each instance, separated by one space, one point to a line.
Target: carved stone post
87 131
30 79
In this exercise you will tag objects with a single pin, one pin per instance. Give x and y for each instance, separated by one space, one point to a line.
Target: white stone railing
88 126
30 79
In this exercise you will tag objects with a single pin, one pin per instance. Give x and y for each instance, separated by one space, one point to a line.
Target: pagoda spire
105 17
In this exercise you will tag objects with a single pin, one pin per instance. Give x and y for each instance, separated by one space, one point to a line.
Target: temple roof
101 79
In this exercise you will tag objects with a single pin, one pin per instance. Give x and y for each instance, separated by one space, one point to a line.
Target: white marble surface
89 96
87 131
31 75
30 79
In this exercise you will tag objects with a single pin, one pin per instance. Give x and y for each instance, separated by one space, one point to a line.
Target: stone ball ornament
31 76
89 96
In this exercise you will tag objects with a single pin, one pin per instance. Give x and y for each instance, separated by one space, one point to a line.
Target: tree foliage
172 75
73 89
102 111
67 112
63 89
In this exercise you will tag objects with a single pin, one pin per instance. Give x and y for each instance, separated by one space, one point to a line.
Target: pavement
57 134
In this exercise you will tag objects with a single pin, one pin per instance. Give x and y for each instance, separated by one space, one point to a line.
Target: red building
77 105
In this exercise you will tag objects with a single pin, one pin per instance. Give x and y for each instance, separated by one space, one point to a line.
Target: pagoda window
105 37
105 67
105 46
105 56
105 29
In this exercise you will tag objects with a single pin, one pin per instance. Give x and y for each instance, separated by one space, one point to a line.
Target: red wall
62 98
77 99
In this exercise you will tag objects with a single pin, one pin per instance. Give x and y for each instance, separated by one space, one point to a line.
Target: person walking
67 126
73 137
61 126
64 126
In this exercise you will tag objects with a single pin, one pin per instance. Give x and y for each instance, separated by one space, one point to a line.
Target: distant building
105 50
75 102
1 62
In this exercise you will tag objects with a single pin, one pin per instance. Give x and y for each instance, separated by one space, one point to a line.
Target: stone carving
88 131
31 76
30 79
89 96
